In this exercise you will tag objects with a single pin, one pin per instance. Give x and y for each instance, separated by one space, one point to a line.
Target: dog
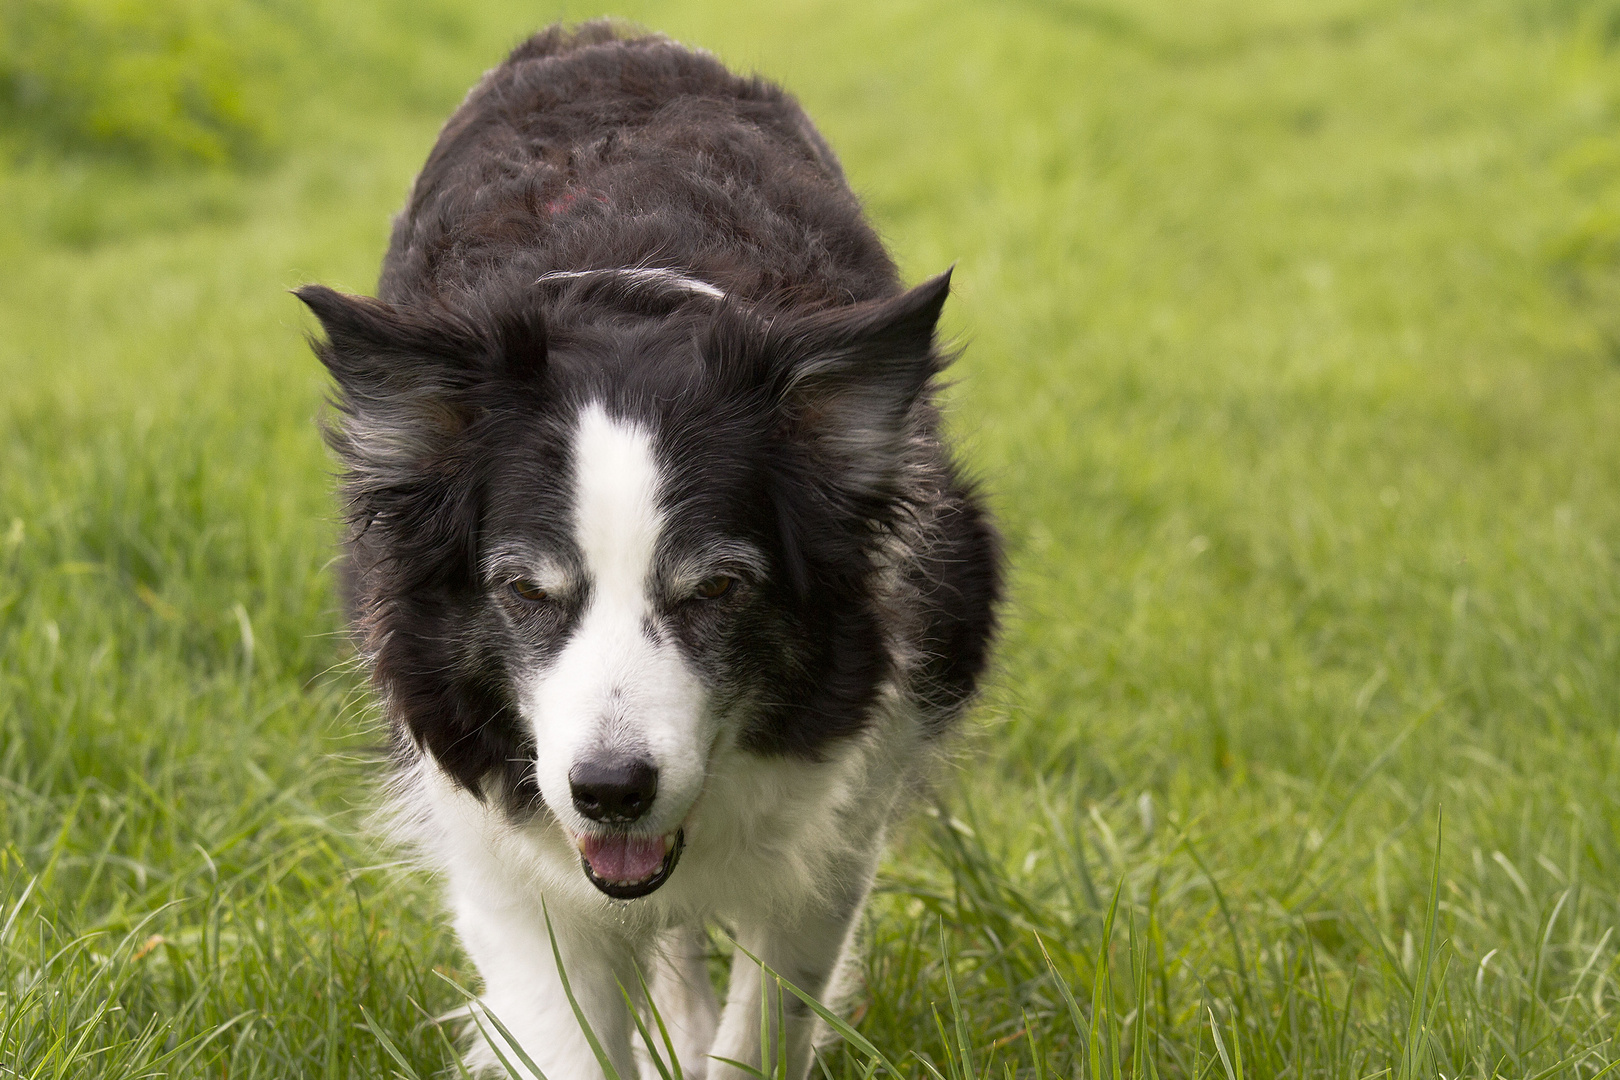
668 586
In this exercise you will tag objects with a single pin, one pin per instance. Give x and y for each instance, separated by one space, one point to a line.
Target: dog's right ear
373 348
402 374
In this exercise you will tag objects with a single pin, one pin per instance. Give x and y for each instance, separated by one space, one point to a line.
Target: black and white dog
665 579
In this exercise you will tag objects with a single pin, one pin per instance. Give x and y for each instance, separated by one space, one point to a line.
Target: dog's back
590 149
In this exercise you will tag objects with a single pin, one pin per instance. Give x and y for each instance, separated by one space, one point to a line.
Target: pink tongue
624 858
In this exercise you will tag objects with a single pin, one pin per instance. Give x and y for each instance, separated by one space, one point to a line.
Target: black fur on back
796 413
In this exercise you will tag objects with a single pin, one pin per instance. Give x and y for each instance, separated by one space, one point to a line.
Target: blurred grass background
1293 368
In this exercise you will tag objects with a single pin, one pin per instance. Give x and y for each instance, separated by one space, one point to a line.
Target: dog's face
636 622
591 554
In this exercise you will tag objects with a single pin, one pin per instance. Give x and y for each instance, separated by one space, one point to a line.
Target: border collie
665 580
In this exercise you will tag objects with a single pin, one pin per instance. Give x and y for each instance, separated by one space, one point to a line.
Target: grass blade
479 1014
837 1023
388 1045
1102 989
663 1032
579 1014
1417 1020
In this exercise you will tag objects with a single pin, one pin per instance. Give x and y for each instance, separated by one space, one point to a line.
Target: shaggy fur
662 572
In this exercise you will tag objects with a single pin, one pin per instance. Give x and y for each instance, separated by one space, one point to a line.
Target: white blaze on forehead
616 514
614 690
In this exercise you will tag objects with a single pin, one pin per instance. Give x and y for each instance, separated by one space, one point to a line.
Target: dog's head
592 549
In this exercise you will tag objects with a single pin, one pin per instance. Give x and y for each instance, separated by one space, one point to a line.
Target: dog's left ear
852 379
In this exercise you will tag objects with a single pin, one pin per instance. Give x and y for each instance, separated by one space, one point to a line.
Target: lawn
1293 371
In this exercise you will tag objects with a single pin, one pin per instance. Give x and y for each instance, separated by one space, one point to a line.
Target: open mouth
625 867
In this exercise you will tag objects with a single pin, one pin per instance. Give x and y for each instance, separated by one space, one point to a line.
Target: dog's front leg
684 998
512 950
806 953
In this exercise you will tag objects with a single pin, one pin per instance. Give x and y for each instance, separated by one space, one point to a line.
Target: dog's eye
524 589
714 588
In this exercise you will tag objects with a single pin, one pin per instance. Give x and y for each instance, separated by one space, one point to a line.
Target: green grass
1293 369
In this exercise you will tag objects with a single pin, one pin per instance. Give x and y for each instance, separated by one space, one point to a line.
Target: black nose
613 790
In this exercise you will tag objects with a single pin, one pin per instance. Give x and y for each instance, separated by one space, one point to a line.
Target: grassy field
1293 367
